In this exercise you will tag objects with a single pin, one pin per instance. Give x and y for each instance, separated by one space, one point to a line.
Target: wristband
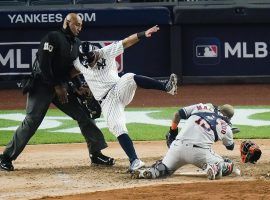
141 35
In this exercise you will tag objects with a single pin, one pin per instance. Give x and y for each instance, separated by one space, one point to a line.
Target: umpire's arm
134 38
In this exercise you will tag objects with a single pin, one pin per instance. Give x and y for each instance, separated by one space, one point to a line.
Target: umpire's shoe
171 85
98 158
5 163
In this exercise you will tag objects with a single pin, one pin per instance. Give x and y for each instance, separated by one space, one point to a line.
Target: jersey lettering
48 47
204 125
202 108
223 127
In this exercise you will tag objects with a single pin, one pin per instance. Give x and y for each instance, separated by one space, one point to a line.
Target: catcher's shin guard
227 167
156 171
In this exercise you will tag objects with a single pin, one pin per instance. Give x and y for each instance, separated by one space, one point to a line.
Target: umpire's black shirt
56 53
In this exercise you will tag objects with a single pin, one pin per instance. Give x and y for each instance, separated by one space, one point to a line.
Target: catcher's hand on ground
235 130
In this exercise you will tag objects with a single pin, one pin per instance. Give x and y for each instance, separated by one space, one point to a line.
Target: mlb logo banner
206 51
118 59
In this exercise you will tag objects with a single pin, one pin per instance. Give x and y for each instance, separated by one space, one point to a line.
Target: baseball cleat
142 174
136 164
100 159
136 174
5 164
171 85
147 174
210 173
213 171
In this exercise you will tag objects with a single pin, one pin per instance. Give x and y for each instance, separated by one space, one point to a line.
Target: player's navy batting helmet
86 53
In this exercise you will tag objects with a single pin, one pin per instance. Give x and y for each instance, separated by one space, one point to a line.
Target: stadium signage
46 18
240 50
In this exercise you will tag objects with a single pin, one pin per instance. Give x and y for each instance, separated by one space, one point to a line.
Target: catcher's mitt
250 152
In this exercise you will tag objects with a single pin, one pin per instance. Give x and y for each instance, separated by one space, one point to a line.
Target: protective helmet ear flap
86 53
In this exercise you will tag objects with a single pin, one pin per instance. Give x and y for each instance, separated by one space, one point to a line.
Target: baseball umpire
48 84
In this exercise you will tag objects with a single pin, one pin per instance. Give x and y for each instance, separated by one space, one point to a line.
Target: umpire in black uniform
51 71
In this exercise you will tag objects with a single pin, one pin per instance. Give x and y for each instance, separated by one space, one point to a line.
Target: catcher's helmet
250 152
227 110
86 53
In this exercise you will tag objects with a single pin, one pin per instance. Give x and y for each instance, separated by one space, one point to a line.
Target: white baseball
237 172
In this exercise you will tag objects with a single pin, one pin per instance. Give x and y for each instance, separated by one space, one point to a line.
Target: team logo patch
206 51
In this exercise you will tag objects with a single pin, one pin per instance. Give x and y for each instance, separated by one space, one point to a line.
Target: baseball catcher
193 144
225 110
250 152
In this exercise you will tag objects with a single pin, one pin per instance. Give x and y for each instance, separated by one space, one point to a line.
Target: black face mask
68 31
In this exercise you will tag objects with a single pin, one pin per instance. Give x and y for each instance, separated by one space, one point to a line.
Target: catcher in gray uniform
205 125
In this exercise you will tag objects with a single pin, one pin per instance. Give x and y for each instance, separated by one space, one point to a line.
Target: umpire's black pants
38 102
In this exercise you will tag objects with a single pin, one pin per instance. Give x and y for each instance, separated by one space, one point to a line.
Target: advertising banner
21 33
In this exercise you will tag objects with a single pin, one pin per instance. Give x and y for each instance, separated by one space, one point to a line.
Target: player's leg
38 102
113 112
169 86
92 134
173 160
214 165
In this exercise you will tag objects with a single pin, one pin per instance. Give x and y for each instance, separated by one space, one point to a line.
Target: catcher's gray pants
182 153
38 102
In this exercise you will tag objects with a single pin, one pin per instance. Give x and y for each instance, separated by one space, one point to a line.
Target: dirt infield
55 171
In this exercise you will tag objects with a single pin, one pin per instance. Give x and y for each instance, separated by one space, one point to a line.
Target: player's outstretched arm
134 38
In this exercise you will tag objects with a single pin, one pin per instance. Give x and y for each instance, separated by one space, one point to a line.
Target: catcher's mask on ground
250 152
86 54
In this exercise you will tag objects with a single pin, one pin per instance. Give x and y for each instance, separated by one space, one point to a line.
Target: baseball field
62 170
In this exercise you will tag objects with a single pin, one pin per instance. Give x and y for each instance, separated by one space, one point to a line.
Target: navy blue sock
127 145
149 83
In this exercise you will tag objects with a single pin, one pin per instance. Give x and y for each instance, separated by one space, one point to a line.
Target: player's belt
190 144
196 146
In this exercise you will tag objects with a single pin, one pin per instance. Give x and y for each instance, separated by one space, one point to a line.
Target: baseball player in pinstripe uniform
205 125
113 92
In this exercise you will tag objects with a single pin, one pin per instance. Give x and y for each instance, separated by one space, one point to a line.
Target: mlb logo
207 51
118 59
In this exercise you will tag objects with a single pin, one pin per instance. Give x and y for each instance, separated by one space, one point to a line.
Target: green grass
136 131
262 116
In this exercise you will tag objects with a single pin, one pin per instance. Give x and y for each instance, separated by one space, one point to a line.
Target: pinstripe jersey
104 75
103 80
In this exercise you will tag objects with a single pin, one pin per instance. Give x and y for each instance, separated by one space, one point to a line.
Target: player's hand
61 93
152 30
83 91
